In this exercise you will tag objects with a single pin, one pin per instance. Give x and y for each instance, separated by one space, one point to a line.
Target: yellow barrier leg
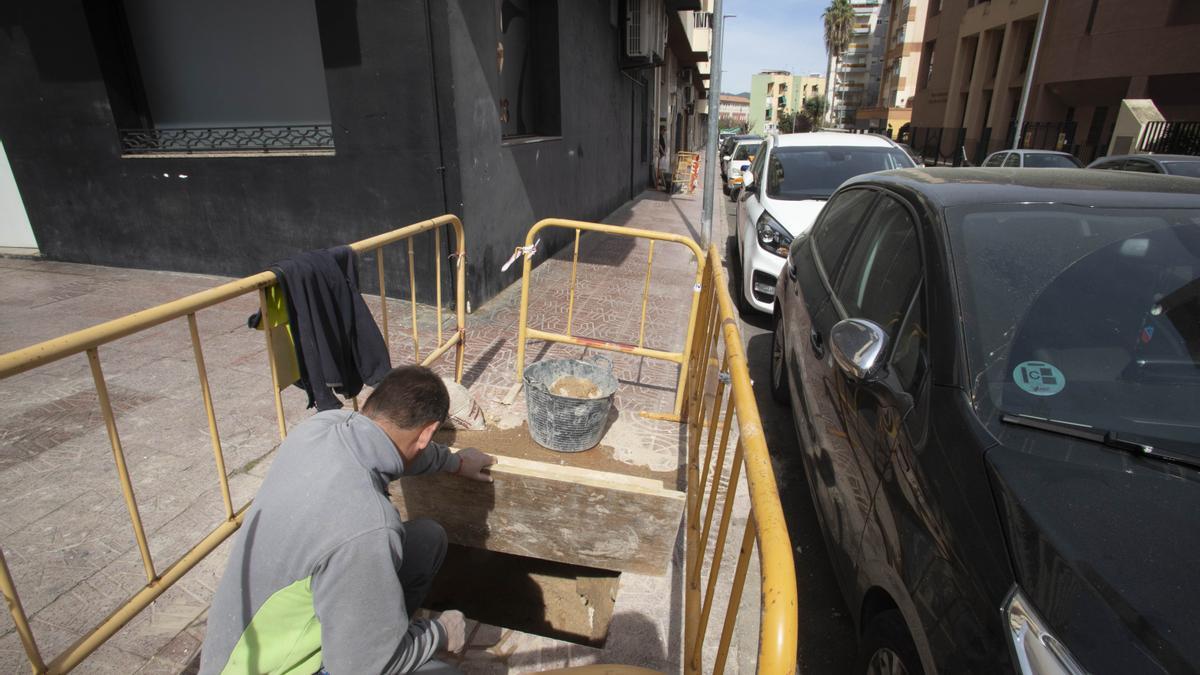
571 297
735 599
19 619
437 276
383 305
645 300
719 548
412 287
218 453
262 304
460 298
114 439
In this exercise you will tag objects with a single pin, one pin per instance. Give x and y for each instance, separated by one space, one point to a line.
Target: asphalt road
827 641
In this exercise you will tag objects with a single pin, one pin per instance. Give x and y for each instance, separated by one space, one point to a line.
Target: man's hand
456 629
474 461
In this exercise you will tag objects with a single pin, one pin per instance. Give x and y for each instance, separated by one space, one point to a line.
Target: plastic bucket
566 423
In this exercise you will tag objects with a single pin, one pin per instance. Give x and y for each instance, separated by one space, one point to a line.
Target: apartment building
777 93
905 26
735 108
1093 53
859 68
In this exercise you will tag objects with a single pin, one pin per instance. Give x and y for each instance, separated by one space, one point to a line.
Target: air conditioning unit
645 29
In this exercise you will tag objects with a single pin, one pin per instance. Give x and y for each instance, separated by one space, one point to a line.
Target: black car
995 379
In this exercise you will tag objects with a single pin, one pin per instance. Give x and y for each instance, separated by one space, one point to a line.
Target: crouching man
323 574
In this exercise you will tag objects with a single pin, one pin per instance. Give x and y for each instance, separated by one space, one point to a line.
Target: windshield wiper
1108 439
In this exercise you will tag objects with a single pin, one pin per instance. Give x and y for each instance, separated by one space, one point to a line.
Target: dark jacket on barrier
338 344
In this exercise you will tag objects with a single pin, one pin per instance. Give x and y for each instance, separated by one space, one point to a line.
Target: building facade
1093 54
735 108
220 137
860 66
775 94
898 81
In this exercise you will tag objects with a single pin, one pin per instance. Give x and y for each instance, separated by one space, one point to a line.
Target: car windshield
1037 160
1191 169
1084 315
744 151
815 172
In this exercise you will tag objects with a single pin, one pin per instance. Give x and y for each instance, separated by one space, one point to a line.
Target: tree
730 122
839 21
787 123
813 110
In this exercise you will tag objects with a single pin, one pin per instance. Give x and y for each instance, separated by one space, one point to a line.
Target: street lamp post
714 113
1037 43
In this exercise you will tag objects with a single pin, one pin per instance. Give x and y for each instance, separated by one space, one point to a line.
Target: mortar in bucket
568 402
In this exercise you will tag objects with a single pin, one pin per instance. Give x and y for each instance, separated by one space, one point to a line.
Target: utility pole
714 112
1037 43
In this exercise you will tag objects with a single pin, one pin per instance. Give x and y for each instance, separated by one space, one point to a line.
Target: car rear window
815 172
744 151
1191 169
1040 161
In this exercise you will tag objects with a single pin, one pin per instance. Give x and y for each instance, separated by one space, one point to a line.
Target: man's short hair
410 397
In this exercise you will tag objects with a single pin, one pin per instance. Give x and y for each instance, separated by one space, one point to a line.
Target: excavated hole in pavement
560 601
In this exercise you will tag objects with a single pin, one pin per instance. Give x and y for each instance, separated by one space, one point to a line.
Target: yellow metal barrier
682 357
91 339
717 352
714 388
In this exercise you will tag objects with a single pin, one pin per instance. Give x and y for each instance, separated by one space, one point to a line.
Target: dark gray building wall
586 173
222 215
412 97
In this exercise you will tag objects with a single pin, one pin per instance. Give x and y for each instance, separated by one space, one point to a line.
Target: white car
736 162
783 191
1033 159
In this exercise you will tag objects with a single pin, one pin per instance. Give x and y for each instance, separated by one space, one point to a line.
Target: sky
771 35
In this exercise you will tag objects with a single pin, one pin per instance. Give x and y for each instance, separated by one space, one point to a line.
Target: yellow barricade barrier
91 339
714 391
681 357
717 355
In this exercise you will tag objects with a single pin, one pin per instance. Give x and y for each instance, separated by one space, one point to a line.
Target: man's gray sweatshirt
312 577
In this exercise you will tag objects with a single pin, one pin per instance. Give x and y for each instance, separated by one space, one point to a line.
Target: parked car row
729 145
758 266
994 375
735 164
785 188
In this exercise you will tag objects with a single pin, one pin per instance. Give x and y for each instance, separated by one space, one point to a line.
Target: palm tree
839 21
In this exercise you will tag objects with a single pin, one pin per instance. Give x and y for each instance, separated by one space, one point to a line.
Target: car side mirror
857 347
747 180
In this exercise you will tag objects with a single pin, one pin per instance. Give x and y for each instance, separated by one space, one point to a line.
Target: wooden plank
554 512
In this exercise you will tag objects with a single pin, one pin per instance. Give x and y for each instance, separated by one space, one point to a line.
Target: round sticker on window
1039 378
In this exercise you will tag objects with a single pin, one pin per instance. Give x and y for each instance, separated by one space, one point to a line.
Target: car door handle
817 343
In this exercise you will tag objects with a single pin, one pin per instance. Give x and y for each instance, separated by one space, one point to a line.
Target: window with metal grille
219 77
